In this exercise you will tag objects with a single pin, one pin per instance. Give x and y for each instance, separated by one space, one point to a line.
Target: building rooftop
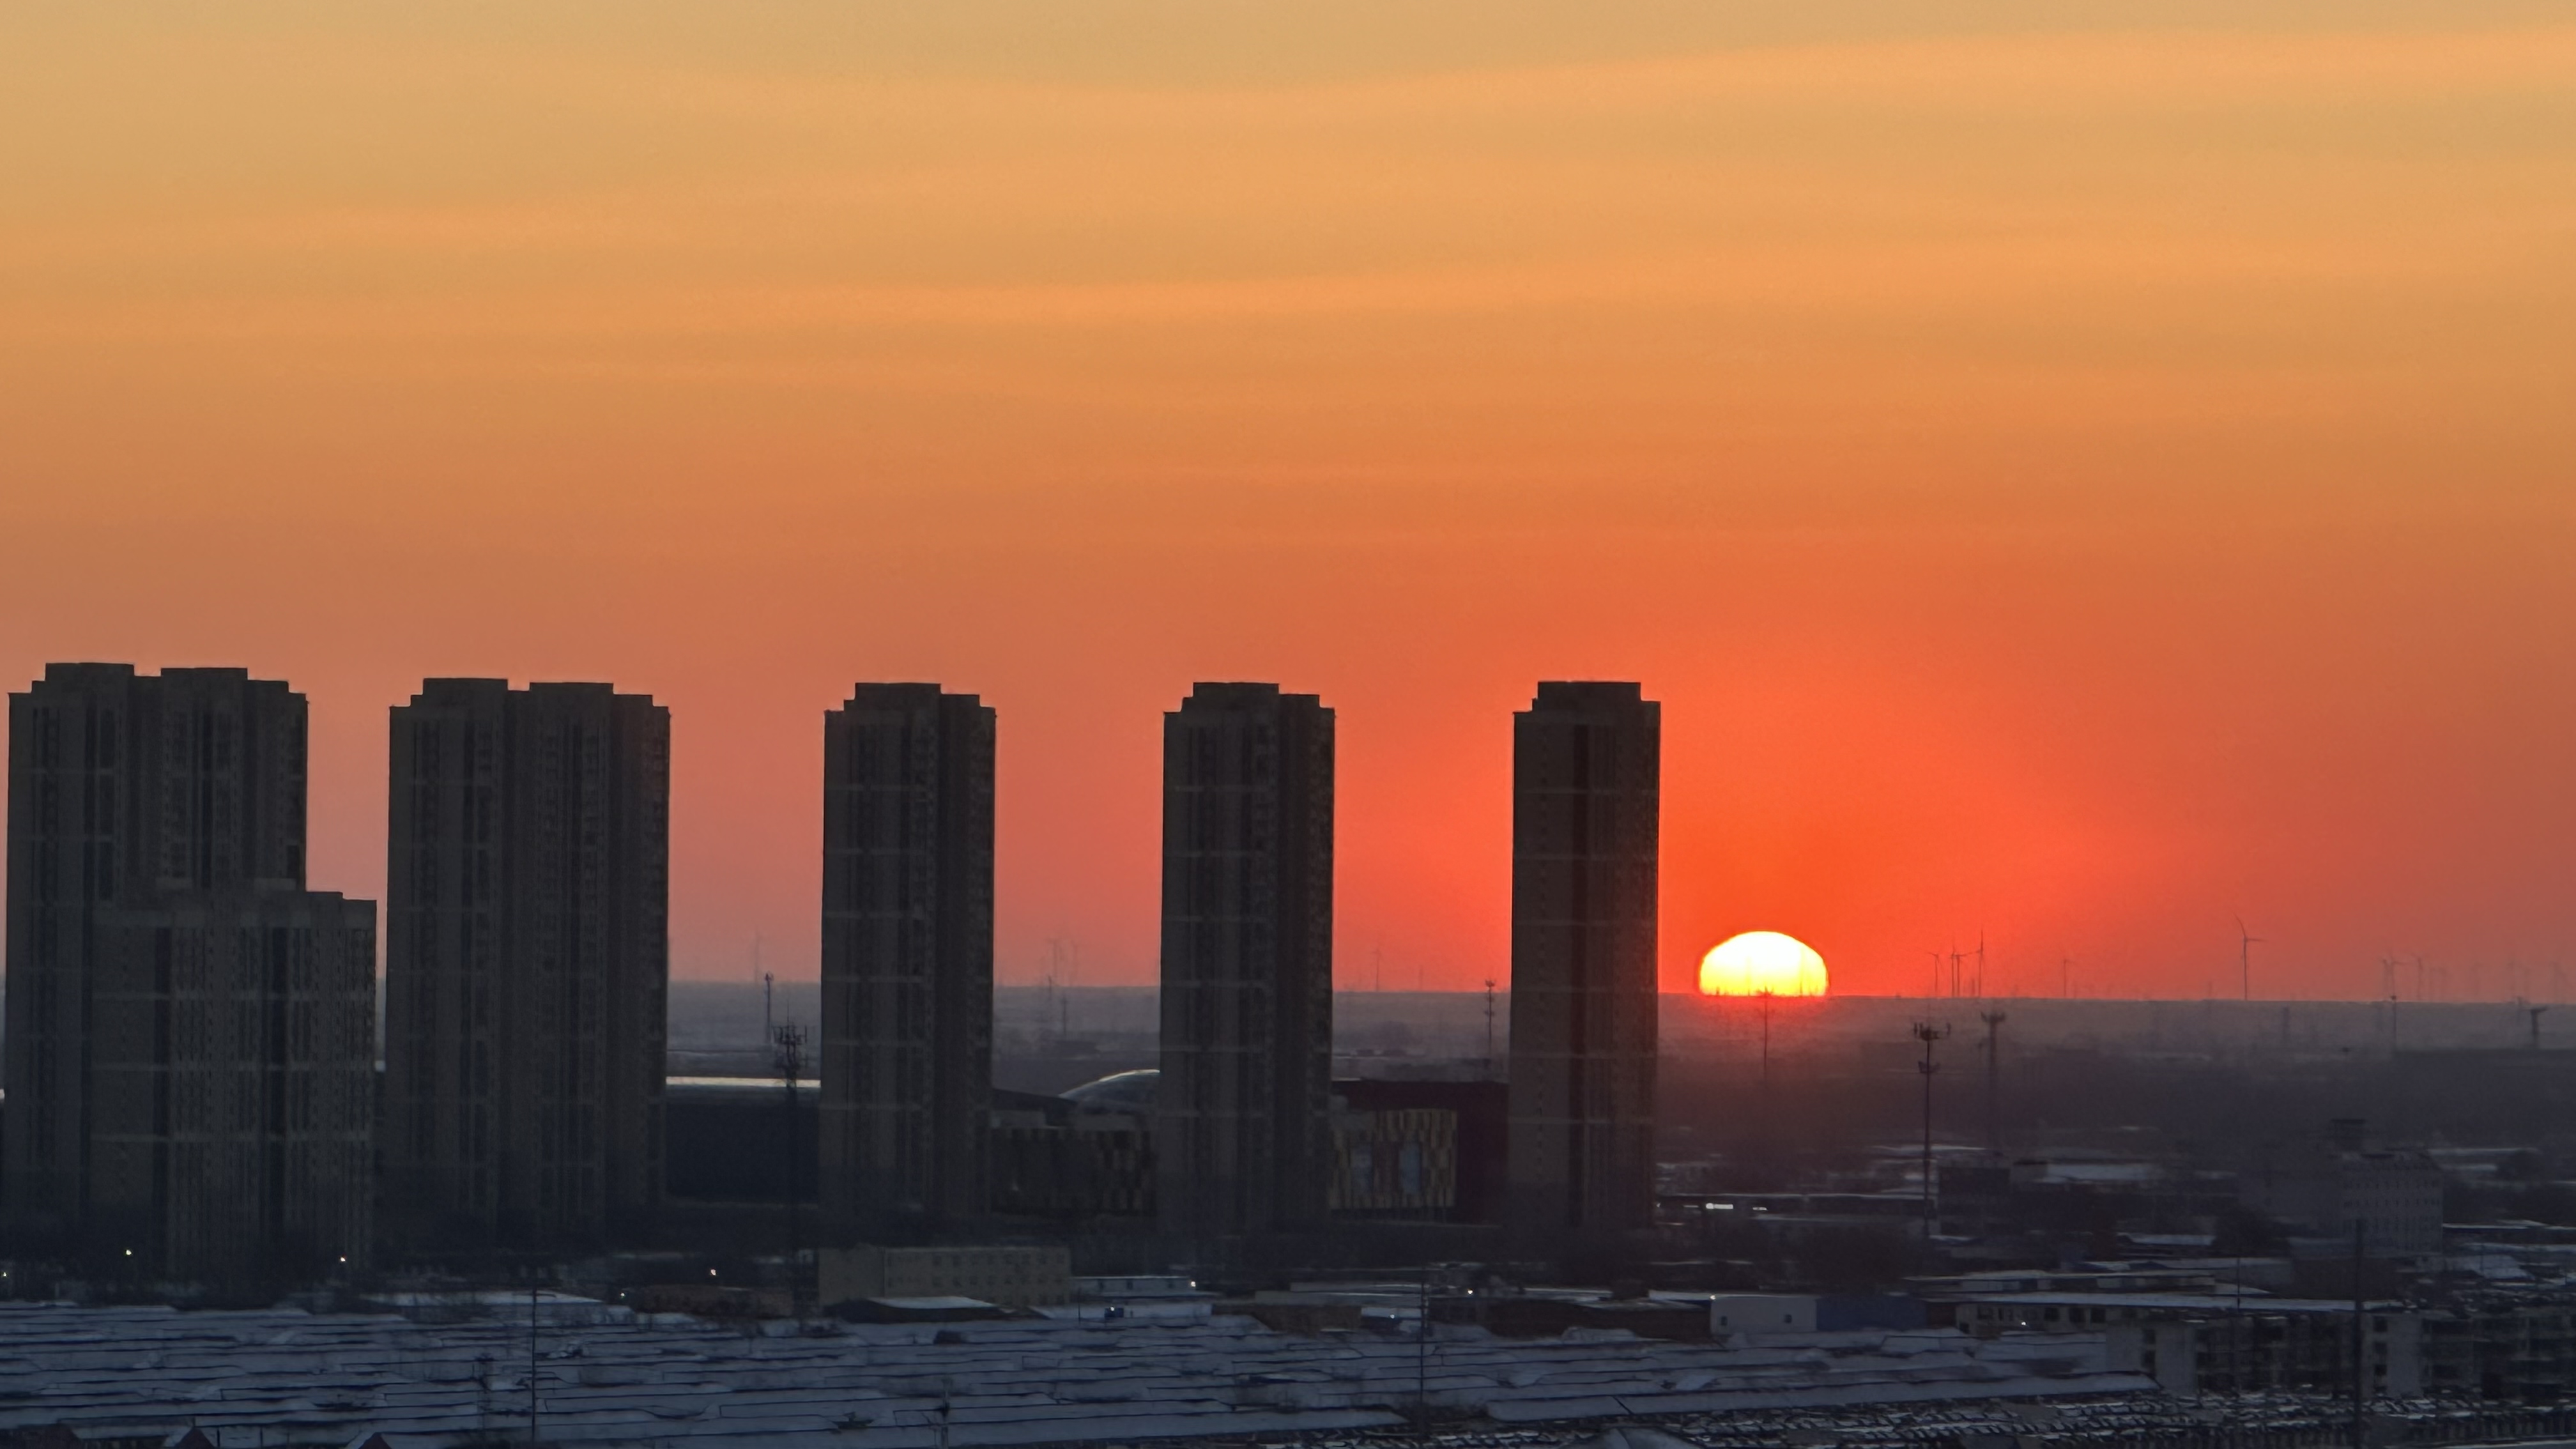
277 1375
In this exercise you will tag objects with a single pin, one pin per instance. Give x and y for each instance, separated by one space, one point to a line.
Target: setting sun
1762 961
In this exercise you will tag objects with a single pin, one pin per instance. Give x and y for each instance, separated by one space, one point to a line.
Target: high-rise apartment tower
191 1033
1242 1130
526 964
907 957
1586 779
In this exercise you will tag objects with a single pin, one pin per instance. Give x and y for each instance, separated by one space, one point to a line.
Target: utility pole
2360 1378
1763 1002
532 1360
1047 1010
1994 1021
1422 1357
790 1061
1489 1027
2246 941
1928 1033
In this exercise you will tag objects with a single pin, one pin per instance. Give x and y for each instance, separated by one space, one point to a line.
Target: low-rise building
1730 1313
1085 1154
1758 1313
1399 1162
2341 1184
2502 1346
2221 1342
1004 1275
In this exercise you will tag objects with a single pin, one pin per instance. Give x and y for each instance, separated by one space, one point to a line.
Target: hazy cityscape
907 1205
1463 724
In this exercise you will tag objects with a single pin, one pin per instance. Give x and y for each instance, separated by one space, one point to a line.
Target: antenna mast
789 1058
1766 1000
1928 1033
1489 1027
1994 1021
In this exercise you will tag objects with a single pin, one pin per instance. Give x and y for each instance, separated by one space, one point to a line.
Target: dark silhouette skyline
1586 776
907 1000
1241 1135
526 963
191 1033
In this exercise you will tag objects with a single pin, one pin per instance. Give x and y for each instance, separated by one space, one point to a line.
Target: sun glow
1760 962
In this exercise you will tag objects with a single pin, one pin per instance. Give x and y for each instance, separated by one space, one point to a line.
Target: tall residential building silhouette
1586 781
907 957
526 964
1242 1129
191 1033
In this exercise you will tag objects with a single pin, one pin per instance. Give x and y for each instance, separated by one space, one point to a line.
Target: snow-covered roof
247 1377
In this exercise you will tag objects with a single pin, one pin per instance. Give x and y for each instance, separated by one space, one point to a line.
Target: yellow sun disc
1760 962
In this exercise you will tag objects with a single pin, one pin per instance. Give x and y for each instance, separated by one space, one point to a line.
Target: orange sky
2079 484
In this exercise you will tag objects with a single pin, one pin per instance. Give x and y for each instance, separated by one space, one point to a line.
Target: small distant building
1401 1162
1732 1313
1762 1313
2327 1187
1465 1166
1088 1153
1158 1297
736 1140
1307 1314
711 1300
1003 1275
2193 1343
947 1308
2518 1347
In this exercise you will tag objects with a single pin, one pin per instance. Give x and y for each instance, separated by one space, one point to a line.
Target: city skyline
1775 723
2215 968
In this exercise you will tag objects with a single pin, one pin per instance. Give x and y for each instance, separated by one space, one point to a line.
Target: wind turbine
2246 941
